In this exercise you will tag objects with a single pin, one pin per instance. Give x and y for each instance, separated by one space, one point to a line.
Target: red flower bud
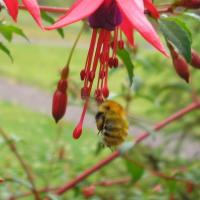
88 191
59 105
182 68
62 86
121 44
195 62
180 64
82 74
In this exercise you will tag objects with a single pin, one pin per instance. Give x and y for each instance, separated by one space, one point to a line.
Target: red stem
116 154
86 173
162 9
113 182
48 9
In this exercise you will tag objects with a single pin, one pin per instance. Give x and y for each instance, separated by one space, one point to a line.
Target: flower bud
195 62
59 105
182 68
180 64
62 85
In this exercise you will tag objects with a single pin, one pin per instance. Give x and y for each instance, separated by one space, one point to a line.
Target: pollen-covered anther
105 91
85 93
121 44
82 74
97 93
115 62
100 99
110 62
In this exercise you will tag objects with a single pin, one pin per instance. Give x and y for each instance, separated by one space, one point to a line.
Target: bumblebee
112 123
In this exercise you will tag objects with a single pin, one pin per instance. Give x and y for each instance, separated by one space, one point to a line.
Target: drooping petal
127 28
152 9
140 23
140 4
79 10
34 9
12 6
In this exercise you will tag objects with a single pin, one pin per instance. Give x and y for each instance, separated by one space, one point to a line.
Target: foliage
158 172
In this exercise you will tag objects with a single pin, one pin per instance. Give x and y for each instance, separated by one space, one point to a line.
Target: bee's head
100 119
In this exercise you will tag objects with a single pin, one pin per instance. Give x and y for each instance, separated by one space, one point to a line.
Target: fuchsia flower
108 18
31 5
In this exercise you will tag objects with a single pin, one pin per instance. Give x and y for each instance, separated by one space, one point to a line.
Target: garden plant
132 66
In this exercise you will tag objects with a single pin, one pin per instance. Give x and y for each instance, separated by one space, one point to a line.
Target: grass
36 140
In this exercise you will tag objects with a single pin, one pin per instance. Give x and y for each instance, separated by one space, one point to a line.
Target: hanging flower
108 18
31 5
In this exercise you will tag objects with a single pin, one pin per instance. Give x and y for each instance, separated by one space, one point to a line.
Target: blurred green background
50 150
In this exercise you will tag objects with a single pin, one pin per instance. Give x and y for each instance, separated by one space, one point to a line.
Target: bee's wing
141 123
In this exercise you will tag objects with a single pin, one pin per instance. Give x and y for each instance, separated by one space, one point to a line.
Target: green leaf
125 57
134 170
177 32
172 185
8 30
6 50
51 20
